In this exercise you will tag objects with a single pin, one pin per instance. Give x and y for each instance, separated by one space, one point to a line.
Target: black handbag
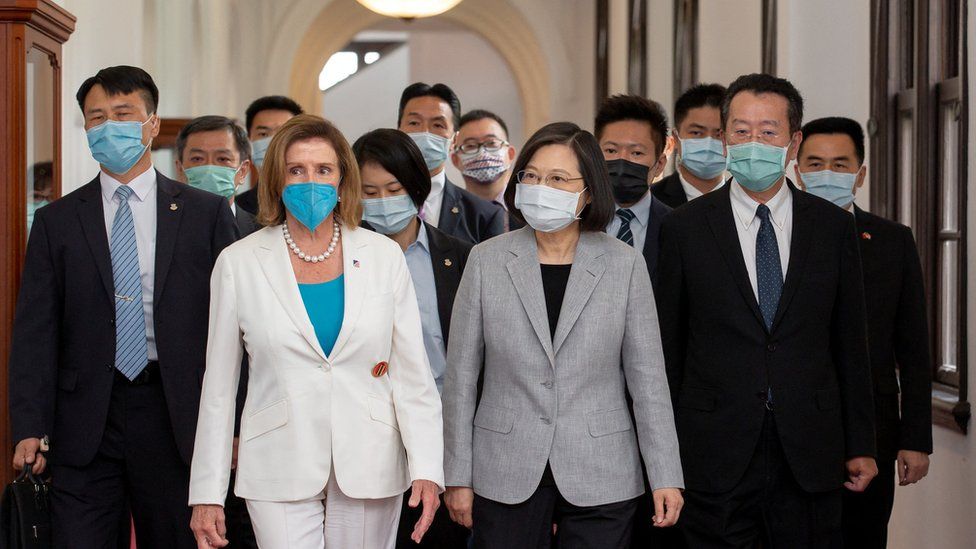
25 513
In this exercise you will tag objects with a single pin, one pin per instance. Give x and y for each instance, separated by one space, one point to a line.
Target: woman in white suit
342 414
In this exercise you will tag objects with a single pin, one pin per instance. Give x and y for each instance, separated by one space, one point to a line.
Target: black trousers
866 514
529 524
767 507
137 468
443 533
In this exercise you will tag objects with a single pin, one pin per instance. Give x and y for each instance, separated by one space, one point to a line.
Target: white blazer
307 413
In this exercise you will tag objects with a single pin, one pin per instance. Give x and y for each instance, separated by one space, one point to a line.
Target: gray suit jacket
559 399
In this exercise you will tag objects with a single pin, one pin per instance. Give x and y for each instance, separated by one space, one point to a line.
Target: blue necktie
624 233
131 354
769 270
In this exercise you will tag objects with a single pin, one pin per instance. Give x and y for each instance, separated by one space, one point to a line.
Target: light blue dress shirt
422 271
642 213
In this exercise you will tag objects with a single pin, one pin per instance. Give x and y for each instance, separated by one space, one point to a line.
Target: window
918 157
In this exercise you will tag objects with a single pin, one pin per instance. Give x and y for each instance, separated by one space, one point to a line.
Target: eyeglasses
527 177
491 145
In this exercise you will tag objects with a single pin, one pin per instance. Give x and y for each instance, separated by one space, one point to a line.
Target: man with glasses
484 156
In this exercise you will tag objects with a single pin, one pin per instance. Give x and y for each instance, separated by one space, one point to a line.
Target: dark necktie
624 233
769 270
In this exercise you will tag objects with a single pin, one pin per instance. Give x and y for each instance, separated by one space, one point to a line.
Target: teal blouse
324 304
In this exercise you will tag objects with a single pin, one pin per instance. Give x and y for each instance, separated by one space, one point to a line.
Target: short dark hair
633 107
212 123
440 91
836 125
43 175
759 83
119 80
699 95
481 114
599 212
399 155
270 103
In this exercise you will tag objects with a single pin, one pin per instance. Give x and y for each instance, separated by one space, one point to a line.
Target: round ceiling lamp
409 9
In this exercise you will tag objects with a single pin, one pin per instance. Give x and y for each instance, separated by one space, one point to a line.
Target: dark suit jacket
247 223
720 357
670 191
248 201
63 352
468 217
448 256
658 211
898 336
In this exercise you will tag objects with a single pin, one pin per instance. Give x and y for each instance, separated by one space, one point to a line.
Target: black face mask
628 180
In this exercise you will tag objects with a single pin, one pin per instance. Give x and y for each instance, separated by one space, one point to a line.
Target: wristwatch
45 443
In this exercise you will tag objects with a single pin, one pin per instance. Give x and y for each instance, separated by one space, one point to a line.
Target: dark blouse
554 280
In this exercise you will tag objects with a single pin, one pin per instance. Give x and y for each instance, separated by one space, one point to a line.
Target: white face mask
546 209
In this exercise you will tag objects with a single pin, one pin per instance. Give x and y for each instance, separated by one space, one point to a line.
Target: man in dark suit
699 154
830 165
632 132
430 115
762 313
262 119
110 330
213 154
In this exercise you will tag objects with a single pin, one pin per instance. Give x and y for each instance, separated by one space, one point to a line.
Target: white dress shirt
747 225
432 206
638 227
691 192
143 206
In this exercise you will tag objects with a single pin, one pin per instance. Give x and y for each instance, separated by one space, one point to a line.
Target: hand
667 506
426 492
459 501
208 526
912 466
29 451
233 456
860 471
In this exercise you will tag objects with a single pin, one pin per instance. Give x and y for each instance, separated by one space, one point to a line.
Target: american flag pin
866 235
355 263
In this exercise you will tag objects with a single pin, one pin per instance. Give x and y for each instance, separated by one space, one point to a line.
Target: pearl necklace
309 257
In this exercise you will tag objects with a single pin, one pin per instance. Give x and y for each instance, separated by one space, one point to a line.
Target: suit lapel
527 278
447 277
799 246
656 212
356 266
450 209
92 217
721 221
276 264
585 274
169 211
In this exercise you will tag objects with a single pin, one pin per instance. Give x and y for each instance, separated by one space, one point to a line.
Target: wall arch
497 21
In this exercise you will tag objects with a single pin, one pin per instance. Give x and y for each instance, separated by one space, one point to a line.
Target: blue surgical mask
259 148
389 215
546 209
757 166
434 148
310 203
703 157
117 145
218 180
832 186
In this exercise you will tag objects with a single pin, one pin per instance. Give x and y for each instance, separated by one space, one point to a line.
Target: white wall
729 39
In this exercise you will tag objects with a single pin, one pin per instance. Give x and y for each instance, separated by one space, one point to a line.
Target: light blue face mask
832 186
757 166
389 215
310 203
704 157
435 148
117 145
259 148
218 180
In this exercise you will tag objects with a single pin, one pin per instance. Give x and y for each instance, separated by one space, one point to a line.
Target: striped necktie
131 354
624 233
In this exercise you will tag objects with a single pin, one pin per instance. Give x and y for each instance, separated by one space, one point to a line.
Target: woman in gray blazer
558 318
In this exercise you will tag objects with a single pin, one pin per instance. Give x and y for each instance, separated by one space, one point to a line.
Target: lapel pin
455 210
355 263
380 369
448 263
173 207
865 236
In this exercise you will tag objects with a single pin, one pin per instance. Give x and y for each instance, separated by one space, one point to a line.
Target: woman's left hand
426 492
667 506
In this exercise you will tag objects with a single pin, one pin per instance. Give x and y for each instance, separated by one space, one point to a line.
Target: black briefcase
25 513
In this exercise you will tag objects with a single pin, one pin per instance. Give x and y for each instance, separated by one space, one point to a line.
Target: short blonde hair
271 210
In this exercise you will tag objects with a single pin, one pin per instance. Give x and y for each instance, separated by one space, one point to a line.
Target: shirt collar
421 241
642 209
438 182
690 191
500 200
141 185
745 207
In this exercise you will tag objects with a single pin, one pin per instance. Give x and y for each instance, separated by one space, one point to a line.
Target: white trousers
330 520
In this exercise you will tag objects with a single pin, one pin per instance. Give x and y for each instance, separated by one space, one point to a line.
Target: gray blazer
560 399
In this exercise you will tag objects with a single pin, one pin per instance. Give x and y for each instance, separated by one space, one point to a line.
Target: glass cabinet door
41 105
